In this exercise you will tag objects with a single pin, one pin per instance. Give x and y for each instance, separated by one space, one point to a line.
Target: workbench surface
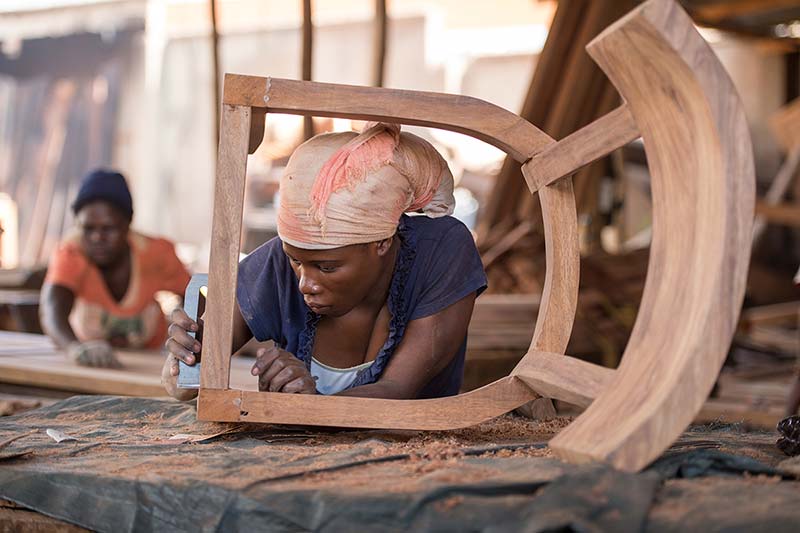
125 473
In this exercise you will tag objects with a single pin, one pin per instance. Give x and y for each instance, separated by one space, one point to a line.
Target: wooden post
215 67
226 234
379 48
308 44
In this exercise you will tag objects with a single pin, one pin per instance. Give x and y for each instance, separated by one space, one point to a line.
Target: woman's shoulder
441 230
269 251
268 261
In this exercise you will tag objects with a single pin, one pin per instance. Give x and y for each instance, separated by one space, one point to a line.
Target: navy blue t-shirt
437 265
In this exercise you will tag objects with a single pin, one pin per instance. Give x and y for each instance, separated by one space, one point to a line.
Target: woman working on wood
359 298
101 281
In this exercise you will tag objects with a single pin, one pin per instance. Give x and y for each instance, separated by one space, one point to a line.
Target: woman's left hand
280 371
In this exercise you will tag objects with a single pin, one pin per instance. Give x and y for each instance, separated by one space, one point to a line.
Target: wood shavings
58 436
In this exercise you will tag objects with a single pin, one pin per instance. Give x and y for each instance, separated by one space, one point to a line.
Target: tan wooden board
32 360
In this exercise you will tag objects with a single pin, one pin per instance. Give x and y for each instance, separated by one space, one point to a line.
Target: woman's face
104 233
335 281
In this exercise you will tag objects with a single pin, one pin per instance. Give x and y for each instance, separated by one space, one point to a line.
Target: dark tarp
124 474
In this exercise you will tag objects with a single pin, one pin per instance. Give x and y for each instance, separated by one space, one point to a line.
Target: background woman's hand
280 371
97 353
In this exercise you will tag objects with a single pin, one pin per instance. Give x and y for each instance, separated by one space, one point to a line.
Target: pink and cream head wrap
346 188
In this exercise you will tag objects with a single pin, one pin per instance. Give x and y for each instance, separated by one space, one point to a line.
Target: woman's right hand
180 347
180 344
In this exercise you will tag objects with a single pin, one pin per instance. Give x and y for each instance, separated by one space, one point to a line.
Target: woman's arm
428 346
55 305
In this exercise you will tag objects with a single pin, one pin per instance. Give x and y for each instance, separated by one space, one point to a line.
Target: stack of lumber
567 92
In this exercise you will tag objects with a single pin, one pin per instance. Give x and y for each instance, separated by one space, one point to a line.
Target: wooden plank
562 377
700 156
781 214
342 411
140 375
588 144
768 314
226 231
463 114
506 243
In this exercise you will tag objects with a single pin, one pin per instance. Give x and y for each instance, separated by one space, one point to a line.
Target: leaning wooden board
32 360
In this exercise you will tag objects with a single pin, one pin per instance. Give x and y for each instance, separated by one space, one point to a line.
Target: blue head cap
105 185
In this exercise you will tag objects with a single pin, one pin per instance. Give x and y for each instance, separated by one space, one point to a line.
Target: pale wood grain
226 233
700 156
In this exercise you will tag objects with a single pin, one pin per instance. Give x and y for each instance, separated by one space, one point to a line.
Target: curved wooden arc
248 95
464 114
700 157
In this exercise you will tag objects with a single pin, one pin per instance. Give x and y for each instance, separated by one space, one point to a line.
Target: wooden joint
588 144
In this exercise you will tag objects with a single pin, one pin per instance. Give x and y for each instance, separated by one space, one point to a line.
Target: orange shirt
137 320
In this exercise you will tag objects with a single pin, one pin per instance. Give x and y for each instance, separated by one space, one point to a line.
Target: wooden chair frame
680 100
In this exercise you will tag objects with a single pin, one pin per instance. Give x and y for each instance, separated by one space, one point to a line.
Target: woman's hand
96 353
180 347
180 344
280 371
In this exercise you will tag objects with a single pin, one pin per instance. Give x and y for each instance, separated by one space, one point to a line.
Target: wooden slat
463 114
342 411
782 214
226 234
700 156
588 144
563 377
768 314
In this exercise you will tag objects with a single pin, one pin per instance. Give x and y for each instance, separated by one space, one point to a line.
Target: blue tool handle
189 376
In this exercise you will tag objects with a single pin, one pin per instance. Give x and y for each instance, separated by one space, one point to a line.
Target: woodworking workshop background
131 84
